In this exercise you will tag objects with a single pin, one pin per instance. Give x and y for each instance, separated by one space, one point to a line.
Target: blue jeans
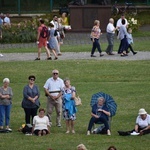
96 45
5 113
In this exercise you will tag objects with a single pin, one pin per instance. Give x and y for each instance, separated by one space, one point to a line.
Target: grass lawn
128 82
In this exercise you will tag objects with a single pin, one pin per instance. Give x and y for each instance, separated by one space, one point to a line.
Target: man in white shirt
7 20
53 88
110 36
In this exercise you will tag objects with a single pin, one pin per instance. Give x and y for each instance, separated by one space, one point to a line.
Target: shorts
42 42
37 131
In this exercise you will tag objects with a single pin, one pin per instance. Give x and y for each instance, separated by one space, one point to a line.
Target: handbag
77 100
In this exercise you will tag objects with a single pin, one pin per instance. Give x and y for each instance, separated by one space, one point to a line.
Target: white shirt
6 20
143 123
119 22
54 85
55 23
110 28
41 123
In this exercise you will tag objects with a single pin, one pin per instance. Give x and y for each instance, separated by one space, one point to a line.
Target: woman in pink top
95 35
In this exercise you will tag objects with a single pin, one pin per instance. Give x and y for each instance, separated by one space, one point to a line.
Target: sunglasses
32 79
55 73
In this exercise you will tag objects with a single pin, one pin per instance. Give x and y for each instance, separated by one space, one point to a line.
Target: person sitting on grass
142 125
99 113
41 124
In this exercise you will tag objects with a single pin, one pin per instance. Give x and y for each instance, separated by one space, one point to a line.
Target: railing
44 6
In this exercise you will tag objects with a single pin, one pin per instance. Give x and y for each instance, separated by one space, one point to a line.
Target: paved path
72 39
75 56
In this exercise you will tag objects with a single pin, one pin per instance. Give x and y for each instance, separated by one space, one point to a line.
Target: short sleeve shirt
143 123
54 85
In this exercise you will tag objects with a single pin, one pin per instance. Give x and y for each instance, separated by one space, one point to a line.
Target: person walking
130 41
119 24
95 35
6 95
110 36
42 40
53 90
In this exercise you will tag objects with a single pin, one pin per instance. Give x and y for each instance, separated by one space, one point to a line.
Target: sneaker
101 55
88 132
108 132
10 130
67 132
134 53
49 58
59 54
37 58
93 56
55 58
73 131
59 125
1 55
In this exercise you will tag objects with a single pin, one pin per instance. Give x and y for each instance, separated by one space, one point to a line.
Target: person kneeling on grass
99 113
41 124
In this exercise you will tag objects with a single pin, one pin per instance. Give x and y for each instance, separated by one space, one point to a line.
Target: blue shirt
95 111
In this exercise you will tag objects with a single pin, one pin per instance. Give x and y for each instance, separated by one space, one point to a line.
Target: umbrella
109 101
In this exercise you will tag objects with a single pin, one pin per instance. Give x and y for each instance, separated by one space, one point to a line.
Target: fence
46 6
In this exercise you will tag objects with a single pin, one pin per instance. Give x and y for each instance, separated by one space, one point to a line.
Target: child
130 40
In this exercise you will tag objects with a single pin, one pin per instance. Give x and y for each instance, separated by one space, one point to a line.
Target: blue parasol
109 101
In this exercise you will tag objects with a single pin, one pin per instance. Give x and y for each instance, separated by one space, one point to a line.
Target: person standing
30 102
95 35
6 95
42 40
53 90
69 108
110 36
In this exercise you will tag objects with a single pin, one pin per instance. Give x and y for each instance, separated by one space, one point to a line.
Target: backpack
44 32
27 129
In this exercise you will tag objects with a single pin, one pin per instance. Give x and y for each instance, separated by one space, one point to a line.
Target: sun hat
6 80
142 111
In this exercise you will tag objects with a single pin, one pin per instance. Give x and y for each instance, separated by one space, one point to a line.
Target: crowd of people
51 37
54 35
124 35
60 95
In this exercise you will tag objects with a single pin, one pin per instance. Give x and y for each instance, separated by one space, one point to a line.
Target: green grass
128 82
139 45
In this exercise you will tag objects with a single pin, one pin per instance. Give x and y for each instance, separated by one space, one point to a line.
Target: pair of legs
5 114
123 47
41 132
70 126
96 120
58 107
131 49
96 45
110 39
29 114
43 43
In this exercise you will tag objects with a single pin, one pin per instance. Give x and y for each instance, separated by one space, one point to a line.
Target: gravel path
75 56
73 39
